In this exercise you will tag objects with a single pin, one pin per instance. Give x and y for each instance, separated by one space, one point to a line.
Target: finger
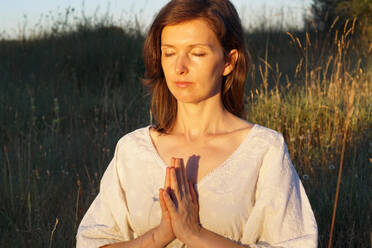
173 162
184 177
193 193
174 183
169 203
181 183
167 179
167 175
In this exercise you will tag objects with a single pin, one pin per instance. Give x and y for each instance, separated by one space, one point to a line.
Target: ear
230 63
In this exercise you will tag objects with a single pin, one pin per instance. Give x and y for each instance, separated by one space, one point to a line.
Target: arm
107 222
282 215
149 239
156 237
206 238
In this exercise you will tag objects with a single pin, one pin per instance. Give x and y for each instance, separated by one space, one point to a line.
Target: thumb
163 206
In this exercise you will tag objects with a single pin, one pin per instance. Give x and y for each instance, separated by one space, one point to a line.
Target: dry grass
66 99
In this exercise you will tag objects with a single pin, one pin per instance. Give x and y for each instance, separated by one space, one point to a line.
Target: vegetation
334 14
67 95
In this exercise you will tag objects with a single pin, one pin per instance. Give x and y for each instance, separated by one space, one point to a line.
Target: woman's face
192 60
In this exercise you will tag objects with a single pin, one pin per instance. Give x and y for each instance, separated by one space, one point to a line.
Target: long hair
223 19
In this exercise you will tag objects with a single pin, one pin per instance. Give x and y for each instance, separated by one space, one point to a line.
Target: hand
184 207
165 231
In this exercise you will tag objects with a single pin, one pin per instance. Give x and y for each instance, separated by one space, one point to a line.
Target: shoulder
268 137
274 154
134 139
263 143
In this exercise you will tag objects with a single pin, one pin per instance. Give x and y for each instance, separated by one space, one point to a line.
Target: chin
185 96
188 100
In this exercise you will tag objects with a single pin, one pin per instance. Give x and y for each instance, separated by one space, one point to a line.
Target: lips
183 84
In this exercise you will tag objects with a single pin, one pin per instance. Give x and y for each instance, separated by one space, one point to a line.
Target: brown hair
223 19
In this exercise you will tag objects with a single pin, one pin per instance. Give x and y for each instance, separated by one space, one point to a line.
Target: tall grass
68 95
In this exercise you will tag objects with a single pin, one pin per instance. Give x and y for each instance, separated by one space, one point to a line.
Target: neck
196 120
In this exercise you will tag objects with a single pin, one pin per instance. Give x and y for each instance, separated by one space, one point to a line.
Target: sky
19 16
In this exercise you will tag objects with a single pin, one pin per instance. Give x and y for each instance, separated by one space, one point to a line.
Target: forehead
196 31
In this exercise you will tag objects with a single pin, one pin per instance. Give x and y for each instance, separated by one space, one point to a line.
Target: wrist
206 238
194 237
160 238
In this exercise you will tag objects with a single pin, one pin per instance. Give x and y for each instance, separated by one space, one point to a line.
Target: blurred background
21 17
70 88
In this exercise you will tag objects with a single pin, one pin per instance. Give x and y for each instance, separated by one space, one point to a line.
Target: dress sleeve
282 215
106 220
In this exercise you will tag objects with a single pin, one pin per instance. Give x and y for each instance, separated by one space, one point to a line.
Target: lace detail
215 170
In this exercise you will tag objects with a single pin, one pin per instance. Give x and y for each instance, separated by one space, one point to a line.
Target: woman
229 183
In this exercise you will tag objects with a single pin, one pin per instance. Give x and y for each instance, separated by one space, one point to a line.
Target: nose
181 65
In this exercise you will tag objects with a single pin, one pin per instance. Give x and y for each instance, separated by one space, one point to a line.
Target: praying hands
179 205
180 212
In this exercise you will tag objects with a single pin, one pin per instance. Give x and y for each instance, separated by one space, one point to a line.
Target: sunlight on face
192 60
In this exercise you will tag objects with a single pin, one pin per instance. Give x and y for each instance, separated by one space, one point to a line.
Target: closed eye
168 54
199 54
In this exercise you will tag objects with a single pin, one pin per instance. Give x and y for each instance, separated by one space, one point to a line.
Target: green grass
68 95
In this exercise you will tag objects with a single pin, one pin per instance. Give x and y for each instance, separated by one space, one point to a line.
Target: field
68 94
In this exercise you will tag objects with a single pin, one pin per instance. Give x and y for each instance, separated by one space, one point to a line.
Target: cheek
163 66
167 75
166 66
214 65
213 72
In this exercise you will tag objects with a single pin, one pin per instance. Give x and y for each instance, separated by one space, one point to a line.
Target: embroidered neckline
212 172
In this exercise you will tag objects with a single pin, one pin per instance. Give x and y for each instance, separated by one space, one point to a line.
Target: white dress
254 197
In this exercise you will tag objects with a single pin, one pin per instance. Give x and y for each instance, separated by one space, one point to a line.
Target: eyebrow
192 45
